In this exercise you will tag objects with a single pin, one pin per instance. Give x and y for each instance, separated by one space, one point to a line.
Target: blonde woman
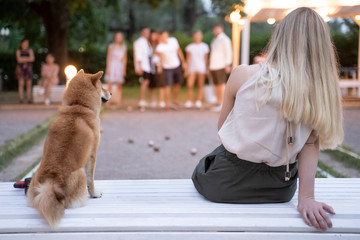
116 61
275 114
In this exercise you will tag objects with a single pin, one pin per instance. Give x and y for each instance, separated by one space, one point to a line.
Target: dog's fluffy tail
49 199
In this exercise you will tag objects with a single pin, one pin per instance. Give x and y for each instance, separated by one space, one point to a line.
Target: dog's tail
49 199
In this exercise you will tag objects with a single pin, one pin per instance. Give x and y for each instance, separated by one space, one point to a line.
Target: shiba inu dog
68 163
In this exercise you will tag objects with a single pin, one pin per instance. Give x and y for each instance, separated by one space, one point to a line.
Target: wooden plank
159 224
174 205
179 236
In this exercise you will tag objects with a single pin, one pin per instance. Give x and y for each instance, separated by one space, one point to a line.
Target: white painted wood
179 236
57 92
170 209
350 84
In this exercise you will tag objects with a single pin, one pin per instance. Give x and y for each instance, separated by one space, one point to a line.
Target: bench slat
180 236
174 205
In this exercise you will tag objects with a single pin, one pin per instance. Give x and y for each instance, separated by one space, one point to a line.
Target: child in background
197 62
50 75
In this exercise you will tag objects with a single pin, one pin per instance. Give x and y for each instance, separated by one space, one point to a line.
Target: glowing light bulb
271 21
70 72
235 16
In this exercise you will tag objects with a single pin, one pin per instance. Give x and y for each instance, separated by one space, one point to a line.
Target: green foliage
88 26
224 7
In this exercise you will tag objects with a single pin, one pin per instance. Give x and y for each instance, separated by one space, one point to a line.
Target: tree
55 18
224 7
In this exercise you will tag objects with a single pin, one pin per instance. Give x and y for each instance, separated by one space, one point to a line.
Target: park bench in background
57 92
172 209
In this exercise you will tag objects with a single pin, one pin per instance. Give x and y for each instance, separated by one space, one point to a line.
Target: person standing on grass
171 59
142 57
197 62
220 62
274 114
50 75
24 57
116 61
157 74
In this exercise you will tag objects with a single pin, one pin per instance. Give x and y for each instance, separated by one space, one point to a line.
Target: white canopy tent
267 10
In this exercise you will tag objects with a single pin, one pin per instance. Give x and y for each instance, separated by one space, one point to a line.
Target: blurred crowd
158 61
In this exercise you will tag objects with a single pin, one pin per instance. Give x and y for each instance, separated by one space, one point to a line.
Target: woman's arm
207 63
19 58
237 78
182 59
108 56
313 212
125 62
188 56
31 58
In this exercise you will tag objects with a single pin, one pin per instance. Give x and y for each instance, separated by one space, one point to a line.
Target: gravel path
15 121
352 129
119 159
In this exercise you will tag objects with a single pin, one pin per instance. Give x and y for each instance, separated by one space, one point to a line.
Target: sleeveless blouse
259 134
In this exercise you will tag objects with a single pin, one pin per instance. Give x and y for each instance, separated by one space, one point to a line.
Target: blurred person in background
116 61
24 57
171 58
157 78
49 75
142 57
197 62
220 62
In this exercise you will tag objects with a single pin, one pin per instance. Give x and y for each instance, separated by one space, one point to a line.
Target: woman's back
258 133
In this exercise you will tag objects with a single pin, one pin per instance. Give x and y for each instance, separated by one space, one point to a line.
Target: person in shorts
220 62
197 62
142 56
171 58
157 79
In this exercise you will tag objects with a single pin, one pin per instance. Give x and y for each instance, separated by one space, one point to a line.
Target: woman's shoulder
241 74
246 71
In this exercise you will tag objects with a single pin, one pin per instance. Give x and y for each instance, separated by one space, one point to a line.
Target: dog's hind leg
76 195
90 172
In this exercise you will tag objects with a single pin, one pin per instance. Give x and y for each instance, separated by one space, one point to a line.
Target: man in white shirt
220 62
142 55
171 59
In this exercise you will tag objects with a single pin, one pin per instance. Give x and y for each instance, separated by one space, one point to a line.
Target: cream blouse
260 135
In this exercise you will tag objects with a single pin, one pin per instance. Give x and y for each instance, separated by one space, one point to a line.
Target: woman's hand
314 213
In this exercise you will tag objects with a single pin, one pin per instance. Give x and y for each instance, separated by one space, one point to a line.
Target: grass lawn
129 94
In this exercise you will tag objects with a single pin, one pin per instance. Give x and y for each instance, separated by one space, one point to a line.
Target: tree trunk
131 29
173 18
190 15
55 16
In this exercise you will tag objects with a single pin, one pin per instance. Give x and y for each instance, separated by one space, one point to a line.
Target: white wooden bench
57 92
348 83
172 209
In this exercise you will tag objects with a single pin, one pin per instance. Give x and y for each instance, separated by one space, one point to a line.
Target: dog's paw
96 194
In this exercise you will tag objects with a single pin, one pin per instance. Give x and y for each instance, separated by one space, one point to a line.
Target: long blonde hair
302 53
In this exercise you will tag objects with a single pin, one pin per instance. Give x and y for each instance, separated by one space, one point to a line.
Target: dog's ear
95 77
80 72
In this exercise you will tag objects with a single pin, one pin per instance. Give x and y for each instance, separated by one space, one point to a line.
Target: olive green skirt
222 177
